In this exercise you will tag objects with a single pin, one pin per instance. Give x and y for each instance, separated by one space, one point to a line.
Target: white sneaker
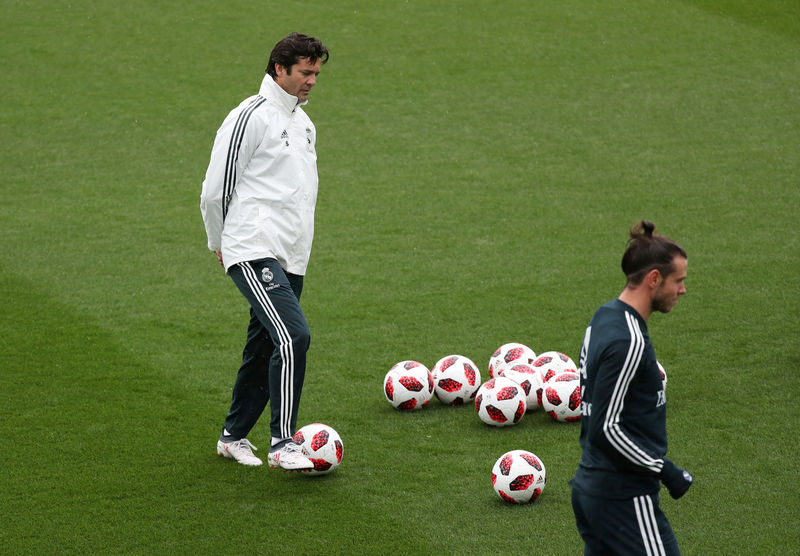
289 457
240 450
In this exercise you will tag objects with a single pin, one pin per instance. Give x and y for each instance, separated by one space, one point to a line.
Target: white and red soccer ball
507 353
551 363
518 477
500 402
322 445
561 397
528 378
456 379
408 385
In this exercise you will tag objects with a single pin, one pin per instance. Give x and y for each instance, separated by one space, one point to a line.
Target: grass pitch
480 164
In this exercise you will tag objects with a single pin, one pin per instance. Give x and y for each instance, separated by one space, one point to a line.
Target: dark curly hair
289 50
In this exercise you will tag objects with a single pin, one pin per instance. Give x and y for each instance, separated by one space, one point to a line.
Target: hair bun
648 250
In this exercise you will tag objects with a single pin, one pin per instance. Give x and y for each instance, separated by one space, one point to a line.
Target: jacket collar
280 98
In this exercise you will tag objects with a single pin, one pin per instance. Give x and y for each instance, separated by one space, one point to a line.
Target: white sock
275 441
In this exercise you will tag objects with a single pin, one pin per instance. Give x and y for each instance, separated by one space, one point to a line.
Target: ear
280 71
653 278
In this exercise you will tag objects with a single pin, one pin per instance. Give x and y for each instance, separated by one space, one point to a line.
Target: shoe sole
228 456
303 470
299 470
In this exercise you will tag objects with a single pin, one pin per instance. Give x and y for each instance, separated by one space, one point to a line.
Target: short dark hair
647 251
289 50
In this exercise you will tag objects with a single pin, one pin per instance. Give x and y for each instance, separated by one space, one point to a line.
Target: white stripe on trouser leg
659 544
284 344
648 527
642 526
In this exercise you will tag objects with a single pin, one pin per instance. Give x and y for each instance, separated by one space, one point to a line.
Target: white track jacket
260 189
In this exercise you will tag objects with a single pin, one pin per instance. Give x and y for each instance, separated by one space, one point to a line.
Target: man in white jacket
258 203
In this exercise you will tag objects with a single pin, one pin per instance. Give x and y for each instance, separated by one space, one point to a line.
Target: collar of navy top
277 96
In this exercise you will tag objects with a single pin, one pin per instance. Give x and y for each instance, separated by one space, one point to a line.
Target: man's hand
676 480
219 258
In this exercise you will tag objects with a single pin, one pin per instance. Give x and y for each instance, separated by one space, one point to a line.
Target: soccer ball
529 379
551 363
507 353
456 379
518 477
408 385
500 402
322 445
663 375
561 397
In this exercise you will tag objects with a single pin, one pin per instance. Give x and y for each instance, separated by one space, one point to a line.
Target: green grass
480 164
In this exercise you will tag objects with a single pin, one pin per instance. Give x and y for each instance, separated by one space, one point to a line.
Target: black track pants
274 357
634 526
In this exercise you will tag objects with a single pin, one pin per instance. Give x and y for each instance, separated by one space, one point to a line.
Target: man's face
299 79
671 288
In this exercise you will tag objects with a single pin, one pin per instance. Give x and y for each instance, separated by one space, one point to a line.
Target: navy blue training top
623 407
